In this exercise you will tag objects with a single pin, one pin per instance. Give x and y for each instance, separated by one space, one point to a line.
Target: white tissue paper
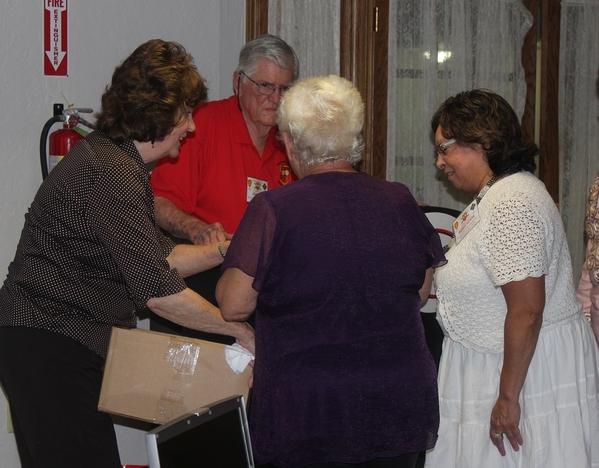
238 357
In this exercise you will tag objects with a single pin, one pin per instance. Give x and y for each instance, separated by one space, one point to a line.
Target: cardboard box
157 377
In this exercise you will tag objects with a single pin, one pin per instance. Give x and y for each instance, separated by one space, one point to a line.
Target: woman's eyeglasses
442 149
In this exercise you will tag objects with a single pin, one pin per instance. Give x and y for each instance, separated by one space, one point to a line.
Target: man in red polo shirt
201 196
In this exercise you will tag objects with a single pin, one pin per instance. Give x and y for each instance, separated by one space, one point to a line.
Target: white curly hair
324 117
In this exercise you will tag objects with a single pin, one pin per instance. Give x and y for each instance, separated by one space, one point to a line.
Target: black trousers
53 385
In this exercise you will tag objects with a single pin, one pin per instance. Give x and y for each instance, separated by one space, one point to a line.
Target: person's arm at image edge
525 304
594 310
583 292
588 294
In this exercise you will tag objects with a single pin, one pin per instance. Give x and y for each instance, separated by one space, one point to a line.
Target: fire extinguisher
61 141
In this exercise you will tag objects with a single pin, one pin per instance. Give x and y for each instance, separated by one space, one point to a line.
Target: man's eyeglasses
442 149
266 89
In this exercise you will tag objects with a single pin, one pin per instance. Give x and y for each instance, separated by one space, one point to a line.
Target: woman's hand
505 419
246 337
249 343
251 379
209 234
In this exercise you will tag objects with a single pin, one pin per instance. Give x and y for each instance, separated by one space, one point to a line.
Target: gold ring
498 436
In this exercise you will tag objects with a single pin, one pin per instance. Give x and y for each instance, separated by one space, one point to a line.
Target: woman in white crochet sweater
518 376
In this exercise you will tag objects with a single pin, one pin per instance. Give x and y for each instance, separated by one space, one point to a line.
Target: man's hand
210 233
185 226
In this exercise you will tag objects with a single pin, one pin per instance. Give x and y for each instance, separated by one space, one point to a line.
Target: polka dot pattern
90 252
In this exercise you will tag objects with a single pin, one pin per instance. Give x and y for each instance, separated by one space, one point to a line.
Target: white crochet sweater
520 235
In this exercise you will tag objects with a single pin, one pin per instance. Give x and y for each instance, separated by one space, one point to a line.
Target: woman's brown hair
149 92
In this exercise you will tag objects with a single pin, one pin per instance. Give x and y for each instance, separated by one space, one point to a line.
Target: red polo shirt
209 179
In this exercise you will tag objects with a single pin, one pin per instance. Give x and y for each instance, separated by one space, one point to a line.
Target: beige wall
101 34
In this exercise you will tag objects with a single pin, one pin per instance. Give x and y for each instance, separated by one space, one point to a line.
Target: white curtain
438 48
312 28
579 114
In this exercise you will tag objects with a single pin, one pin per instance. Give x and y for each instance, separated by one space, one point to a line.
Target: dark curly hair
149 91
483 117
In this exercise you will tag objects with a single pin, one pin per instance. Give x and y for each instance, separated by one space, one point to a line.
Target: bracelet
220 249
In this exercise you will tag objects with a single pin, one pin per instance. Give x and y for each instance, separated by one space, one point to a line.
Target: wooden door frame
256 18
546 31
364 61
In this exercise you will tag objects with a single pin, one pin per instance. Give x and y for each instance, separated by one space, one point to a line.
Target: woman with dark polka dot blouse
90 254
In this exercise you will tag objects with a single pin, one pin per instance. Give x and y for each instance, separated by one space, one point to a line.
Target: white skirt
559 404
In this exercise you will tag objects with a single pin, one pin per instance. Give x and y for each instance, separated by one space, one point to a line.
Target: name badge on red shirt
254 187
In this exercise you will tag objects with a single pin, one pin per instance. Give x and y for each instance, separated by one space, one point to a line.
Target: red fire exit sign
55 38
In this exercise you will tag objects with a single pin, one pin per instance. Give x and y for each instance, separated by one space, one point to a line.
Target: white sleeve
514 241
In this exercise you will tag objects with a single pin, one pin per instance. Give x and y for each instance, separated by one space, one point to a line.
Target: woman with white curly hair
336 266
